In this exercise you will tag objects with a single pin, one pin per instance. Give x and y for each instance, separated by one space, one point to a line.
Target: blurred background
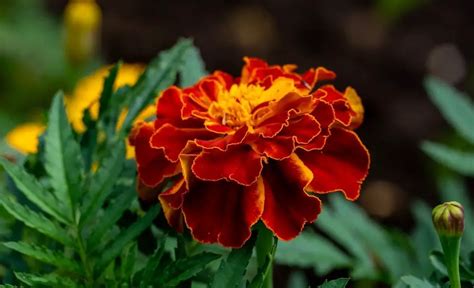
382 48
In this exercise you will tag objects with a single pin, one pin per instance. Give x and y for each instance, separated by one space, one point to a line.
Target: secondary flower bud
448 219
82 20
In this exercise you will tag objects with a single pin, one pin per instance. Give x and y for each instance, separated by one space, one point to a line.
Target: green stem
451 248
84 258
264 248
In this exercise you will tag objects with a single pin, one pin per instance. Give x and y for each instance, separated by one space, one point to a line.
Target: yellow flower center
235 107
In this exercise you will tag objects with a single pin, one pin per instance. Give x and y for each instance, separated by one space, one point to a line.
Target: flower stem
265 247
451 247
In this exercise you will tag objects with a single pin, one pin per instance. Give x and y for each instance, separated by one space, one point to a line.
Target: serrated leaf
51 280
108 88
63 160
459 161
336 283
110 216
185 268
127 235
159 74
33 190
193 67
414 282
45 255
311 250
455 106
152 264
232 269
103 181
35 220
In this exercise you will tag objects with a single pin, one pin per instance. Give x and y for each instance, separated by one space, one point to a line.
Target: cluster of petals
232 151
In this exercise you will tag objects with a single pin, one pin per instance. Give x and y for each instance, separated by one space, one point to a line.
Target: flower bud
82 20
448 219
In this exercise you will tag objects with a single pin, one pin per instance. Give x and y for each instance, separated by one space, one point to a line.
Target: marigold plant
85 97
260 146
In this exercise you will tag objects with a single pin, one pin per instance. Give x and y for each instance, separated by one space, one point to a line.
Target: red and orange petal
172 140
287 206
153 167
342 165
222 211
209 165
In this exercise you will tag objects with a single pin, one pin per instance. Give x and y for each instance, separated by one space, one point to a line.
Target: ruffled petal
324 114
271 119
342 164
356 105
152 164
173 139
221 143
171 201
278 147
287 206
239 163
313 76
223 211
303 128
174 195
248 71
342 110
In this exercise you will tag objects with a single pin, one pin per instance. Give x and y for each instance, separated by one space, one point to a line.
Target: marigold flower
257 147
24 137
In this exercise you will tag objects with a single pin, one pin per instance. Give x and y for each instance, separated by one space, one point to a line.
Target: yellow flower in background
87 92
24 137
82 21
85 96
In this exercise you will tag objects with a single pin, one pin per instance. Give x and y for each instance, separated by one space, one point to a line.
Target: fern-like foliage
79 209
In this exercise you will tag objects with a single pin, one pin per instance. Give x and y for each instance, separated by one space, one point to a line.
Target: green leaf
51 280
259 280
33 190
297 279
459 161
127 235
111 215
336 283
45 255
35 220
159 74
127 263
367 241
437 260
108 89
312 250
414 282
193 67
103 181
152 264
423 238
455 106
63 160
232 269
185 268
